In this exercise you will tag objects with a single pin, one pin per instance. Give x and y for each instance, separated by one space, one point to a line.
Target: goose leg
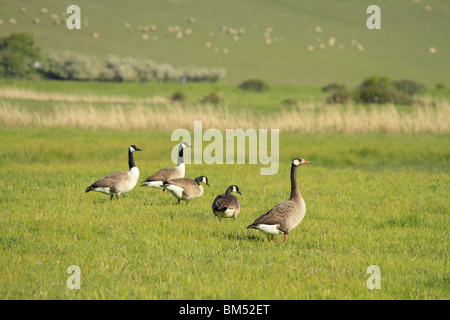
285 237
111 197
179 201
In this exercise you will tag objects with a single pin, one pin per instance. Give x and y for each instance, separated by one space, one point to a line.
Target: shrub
333 87
194 74
341 95
409 87
178 96
68 66
166 72
116 69
254 85
213 97
18 54
376 90
75 67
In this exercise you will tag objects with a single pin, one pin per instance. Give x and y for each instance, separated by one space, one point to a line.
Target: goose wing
224 202
164 175
110 180
275 216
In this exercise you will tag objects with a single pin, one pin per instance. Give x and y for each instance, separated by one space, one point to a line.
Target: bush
409 87
333 87
213 97
68 66
380 90
254 85
18 54
194 74
376 89
341 95
178 96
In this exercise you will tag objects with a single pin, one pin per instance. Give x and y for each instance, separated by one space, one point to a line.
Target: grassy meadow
377 192
260 39
372 199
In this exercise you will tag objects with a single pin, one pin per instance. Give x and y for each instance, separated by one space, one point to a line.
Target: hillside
282 42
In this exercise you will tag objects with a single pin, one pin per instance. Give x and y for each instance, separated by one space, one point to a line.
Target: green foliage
254 85
18 54
213 97
333 87
341 95
178 96
69 66
375 89
409 87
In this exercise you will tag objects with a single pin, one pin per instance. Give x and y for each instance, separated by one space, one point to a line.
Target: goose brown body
185 188
159 178
285 216
227 205
118 182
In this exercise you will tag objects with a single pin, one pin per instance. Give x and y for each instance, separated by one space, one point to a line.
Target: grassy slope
398 50
372 200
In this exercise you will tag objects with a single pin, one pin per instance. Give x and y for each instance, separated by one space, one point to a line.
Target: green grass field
399 50
372 200
377 192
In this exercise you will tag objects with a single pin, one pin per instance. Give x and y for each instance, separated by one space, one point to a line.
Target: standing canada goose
185 188
118 182
227 205
158 179
284 217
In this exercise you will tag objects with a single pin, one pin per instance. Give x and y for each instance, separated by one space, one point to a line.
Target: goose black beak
239 193
137 149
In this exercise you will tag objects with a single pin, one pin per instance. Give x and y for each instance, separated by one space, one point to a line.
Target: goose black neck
180 156
131 163
295 193
228 192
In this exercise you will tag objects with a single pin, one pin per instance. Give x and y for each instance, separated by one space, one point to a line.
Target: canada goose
227 205
158 179
284 217
118 182
185 188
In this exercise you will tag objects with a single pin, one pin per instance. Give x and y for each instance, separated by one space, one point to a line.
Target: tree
18 53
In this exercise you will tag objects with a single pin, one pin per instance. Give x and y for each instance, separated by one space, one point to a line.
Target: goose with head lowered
284 217
227 205
158 179
185 188
118 182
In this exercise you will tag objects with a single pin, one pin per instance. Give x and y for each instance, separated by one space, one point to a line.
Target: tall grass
121 112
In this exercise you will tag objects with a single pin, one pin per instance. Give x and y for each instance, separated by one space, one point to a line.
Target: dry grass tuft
125 113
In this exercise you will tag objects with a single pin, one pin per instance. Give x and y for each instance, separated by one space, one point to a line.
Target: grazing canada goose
227 205
158 179
118 182
185 188
284 217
